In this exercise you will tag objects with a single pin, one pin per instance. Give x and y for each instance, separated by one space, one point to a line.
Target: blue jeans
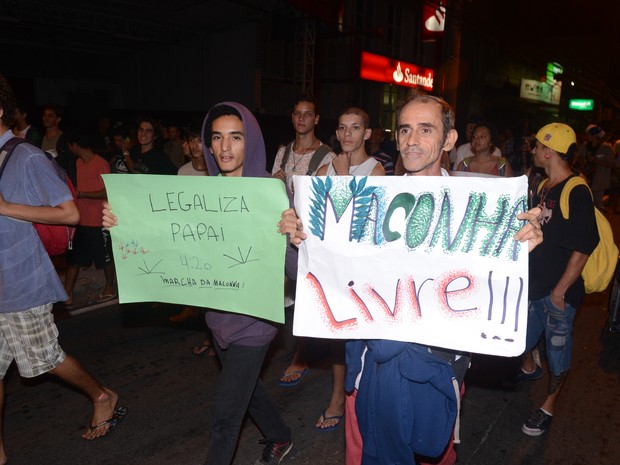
557 325
239 390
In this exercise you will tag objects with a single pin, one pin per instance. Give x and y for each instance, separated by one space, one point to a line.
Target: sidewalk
89 284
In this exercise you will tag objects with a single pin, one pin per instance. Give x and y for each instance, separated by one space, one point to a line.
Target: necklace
545 192
351 173
301 155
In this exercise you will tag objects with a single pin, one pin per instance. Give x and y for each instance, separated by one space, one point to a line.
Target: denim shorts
557 326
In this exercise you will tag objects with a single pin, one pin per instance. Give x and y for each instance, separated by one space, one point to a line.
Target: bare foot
103 411
185 314
207 346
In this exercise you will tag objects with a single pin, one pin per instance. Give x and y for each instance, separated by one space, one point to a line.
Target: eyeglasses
303 114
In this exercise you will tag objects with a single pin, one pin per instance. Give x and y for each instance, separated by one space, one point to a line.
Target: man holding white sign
414 382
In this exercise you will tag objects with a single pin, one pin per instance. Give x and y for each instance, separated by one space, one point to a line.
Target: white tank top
357 170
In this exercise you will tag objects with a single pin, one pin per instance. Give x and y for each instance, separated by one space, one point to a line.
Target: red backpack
56 238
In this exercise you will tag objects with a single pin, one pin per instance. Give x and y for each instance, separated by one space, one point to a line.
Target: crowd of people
229 142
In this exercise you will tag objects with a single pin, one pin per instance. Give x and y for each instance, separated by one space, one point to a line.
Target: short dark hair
492 130
7 102
19 106
153 122
215 113
119 130
447 113
194 129
359 112
57 109
305 98
79 137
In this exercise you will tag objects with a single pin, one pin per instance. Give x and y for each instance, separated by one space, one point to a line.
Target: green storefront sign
581 104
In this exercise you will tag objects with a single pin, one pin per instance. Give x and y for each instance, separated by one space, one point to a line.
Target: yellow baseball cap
557 136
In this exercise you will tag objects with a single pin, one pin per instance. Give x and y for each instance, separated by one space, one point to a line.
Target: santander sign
383 69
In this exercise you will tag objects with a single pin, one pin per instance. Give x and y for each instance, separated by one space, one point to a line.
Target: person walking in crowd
556 287
91 243
375 435
483 147
121 145
147 158
28 334
302 156
352 133
22 128
465 150
374 148
54 142
236 148
602 159
173 147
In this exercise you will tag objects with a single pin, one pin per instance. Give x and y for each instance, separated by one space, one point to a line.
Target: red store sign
383 69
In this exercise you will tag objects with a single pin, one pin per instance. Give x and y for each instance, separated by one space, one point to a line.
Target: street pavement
135 350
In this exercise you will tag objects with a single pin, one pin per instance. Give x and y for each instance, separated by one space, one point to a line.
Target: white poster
420 259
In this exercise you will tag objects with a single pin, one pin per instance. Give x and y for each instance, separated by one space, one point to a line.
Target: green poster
203 241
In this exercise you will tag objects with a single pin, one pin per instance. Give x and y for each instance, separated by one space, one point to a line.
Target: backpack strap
566 190
287 154
317 158
7 150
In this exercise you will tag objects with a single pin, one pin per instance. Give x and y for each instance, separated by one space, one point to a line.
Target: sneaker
274 452
537 423
522 377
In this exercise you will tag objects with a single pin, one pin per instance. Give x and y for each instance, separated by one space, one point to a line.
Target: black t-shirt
560 238
153 162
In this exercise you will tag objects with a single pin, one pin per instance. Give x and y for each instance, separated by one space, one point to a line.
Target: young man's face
304 118
538 155
173 132
19 118
194 145
228 144
118 140
146 134
420 138
351 132
50 119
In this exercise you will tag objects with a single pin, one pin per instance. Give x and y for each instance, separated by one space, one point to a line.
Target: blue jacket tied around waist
407 401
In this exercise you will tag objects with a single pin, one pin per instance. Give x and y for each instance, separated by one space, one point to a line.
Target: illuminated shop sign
433 20
581 104
553 69
540 91
383 69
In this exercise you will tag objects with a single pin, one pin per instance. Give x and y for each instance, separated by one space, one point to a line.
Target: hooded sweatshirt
232 328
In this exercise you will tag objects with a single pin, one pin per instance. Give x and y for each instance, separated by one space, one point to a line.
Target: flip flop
293 382
325 418
117 416
105 297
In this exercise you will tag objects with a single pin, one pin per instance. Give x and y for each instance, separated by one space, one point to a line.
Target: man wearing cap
601 155
556 288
